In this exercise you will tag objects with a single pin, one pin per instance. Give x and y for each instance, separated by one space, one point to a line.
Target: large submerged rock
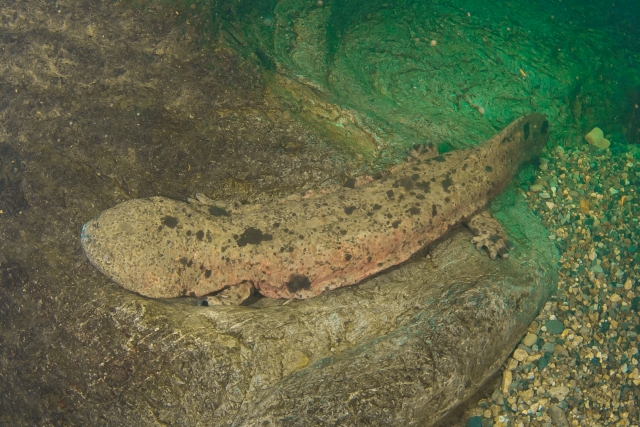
400 349
104 103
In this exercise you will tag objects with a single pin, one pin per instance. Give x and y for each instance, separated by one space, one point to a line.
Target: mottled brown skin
300 248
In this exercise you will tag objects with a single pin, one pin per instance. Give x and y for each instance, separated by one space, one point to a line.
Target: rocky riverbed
578 364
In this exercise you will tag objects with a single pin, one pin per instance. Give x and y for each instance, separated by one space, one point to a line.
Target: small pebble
520 355
559 392
554 327
548 347
475 422
558 417
507 379
560 350
530 339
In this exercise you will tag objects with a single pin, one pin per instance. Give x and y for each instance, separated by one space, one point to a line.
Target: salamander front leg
488 233
233 295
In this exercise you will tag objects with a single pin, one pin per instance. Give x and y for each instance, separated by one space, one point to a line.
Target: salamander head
535 134
523 139
133 243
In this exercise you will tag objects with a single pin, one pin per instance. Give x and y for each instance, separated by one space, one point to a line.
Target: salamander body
164 248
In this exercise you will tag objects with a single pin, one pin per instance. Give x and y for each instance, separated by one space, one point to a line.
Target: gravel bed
578 365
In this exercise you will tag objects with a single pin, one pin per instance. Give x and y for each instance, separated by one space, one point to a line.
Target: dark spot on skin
390 194
434 210
286 249
252 236
446 199
216 211
224 248
413 211
424 186
376 207
170 221
200 235
209 238
488 168
440 159
276 225
349 210
207 274
401 198
544 128
396 223
415 177
300 237
343 232
404 182
369 259
351 183
183 261
446 183
527 129
377 175
494 238
188 232
420 197
347 257
297 282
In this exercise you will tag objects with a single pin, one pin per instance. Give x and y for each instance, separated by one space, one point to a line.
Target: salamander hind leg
488 233
233 295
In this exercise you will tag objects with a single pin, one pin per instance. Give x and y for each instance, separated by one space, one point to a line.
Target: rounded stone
520 355
554 327
530 339
548 347
474 422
